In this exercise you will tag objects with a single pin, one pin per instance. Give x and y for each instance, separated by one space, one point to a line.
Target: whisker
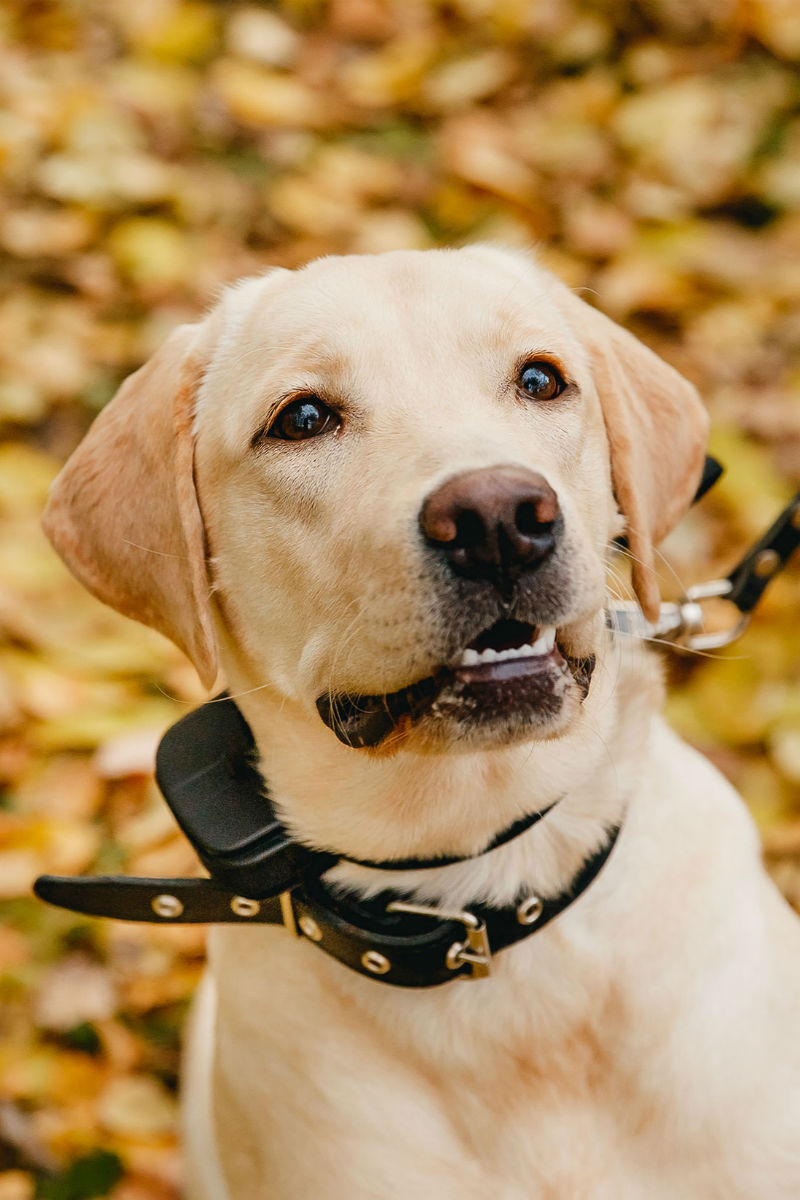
150 550
662 641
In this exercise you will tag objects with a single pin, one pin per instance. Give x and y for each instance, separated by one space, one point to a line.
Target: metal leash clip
681 621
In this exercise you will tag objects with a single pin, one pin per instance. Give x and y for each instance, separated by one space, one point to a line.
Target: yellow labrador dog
397 477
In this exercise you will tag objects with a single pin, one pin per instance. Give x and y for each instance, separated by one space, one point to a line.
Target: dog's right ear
124 514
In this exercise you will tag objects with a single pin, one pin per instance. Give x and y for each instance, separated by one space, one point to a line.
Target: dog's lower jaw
418 798
453 728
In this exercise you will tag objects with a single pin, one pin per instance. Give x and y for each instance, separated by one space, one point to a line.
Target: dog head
383 488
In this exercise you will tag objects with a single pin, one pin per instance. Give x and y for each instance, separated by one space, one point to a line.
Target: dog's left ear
657 430
124 514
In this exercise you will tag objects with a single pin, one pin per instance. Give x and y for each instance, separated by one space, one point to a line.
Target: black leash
765 559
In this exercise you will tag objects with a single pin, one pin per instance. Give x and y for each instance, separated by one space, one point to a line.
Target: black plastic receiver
205 766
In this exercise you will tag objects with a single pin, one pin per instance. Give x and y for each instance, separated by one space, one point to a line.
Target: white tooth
515 652
545 641
543 645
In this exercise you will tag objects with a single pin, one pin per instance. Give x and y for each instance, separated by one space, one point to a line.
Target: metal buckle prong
287 912
475 952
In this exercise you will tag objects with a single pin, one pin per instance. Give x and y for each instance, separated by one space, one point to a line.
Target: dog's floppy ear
657 430
123 513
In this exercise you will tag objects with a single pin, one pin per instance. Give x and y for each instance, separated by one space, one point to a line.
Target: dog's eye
541 380
306 417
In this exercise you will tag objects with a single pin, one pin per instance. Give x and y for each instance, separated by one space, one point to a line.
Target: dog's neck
415 804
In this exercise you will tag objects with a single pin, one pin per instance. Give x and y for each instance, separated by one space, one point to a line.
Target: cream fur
645 1044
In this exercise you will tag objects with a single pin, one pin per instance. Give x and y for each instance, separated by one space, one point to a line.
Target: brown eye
541 380
306 417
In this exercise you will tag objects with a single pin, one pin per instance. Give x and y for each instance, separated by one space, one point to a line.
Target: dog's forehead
348 306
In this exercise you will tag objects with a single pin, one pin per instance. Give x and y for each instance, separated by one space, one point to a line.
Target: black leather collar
260 875
388 938
413 945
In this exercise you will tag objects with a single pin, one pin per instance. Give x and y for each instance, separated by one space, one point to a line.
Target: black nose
494 523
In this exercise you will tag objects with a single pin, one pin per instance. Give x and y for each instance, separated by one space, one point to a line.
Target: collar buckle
474 952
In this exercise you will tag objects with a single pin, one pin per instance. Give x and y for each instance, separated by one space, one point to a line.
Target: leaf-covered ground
150 152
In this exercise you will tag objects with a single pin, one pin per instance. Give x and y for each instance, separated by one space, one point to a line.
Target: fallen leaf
73 991
137 1106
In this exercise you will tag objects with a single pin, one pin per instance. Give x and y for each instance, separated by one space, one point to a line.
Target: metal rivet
766 563
377 963
529 911
166 906
310 927
244 907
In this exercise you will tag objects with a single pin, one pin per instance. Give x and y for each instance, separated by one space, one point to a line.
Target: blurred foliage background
152 151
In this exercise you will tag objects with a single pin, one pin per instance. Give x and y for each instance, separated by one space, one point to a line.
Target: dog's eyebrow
545 354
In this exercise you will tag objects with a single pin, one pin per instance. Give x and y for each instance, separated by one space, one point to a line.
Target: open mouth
510 670
506 642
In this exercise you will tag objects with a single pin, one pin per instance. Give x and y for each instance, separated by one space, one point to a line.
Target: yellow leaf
151 251
187 32
258 96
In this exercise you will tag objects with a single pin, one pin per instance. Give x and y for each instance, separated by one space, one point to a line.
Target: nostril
470 529
492 523
526 519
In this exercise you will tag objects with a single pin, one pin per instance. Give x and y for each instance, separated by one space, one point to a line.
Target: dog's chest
346 1107
458 1099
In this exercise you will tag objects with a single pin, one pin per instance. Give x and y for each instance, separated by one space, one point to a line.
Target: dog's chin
486 698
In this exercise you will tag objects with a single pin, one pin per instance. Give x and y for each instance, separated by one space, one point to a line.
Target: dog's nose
493 523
